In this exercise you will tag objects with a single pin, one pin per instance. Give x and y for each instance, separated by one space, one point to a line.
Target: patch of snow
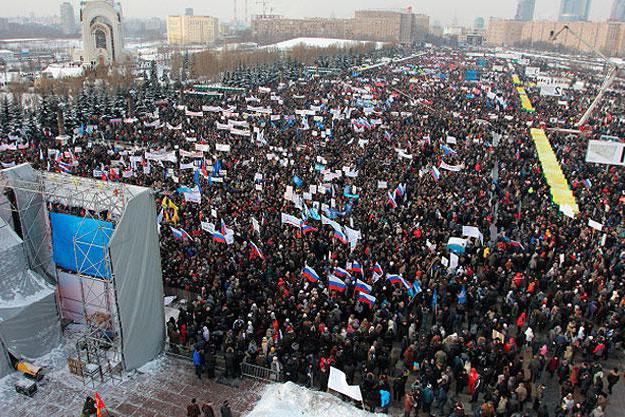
291 400
154 366
318 42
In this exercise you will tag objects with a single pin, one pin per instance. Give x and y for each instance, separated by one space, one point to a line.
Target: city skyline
443 11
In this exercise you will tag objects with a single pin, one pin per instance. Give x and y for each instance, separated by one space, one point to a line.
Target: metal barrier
258 372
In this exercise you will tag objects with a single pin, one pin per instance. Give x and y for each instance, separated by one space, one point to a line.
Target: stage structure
97 242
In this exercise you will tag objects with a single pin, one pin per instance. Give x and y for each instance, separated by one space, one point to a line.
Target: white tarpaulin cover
29 322
136 260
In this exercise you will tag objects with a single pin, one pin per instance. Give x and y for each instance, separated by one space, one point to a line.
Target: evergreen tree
17 119
5 117
47 114
184 73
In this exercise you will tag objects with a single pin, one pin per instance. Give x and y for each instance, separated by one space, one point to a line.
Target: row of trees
98 95
209 65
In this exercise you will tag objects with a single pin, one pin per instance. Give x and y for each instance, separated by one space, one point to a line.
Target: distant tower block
102 35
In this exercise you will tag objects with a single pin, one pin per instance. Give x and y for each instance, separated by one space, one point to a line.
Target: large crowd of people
391 222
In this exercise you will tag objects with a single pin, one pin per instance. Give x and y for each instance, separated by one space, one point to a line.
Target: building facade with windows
367 25
188 30
607 37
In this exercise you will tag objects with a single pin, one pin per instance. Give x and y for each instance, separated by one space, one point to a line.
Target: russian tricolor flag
435 174
66 168
179 234
341 273
394 279
218 236
387 135
516 244
310 274
256 250
336 284
307 229
366 298
587 183
377 269
391 200
400 191
340 236
362 287
356 268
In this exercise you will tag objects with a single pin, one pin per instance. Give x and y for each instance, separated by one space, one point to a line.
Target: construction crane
607 82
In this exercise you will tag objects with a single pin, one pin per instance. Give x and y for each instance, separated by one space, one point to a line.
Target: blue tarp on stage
87 256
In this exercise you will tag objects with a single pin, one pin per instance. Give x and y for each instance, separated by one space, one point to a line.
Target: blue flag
216 168
462 296
313 213
434 300
196 179
297 181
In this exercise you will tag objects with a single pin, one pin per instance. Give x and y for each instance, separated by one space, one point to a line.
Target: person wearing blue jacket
197 362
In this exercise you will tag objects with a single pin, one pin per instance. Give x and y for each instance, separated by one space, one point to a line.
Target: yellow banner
561 193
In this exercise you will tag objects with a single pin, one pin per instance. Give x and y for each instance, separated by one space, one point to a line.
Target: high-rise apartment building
618 11
525 10
68 19
607 37
574 10
185 30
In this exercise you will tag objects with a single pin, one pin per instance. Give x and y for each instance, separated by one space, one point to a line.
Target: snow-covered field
318 42
291 400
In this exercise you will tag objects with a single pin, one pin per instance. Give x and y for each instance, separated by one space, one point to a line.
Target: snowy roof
62 71
27 288
318 42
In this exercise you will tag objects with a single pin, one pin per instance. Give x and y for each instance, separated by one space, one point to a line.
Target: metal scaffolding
26 194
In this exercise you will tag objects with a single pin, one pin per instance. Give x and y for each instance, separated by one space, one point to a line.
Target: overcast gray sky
441 10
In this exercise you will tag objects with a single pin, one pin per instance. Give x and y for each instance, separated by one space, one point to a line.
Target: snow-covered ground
291 400
318 42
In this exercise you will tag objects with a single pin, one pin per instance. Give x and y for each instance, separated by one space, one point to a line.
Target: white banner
595 225
240 132
335 225
454 168
187 154
238 123
202 147
193 113
352 236
208 227
473 231
162 156
337 381
193 197
605 152
551 90
292 220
